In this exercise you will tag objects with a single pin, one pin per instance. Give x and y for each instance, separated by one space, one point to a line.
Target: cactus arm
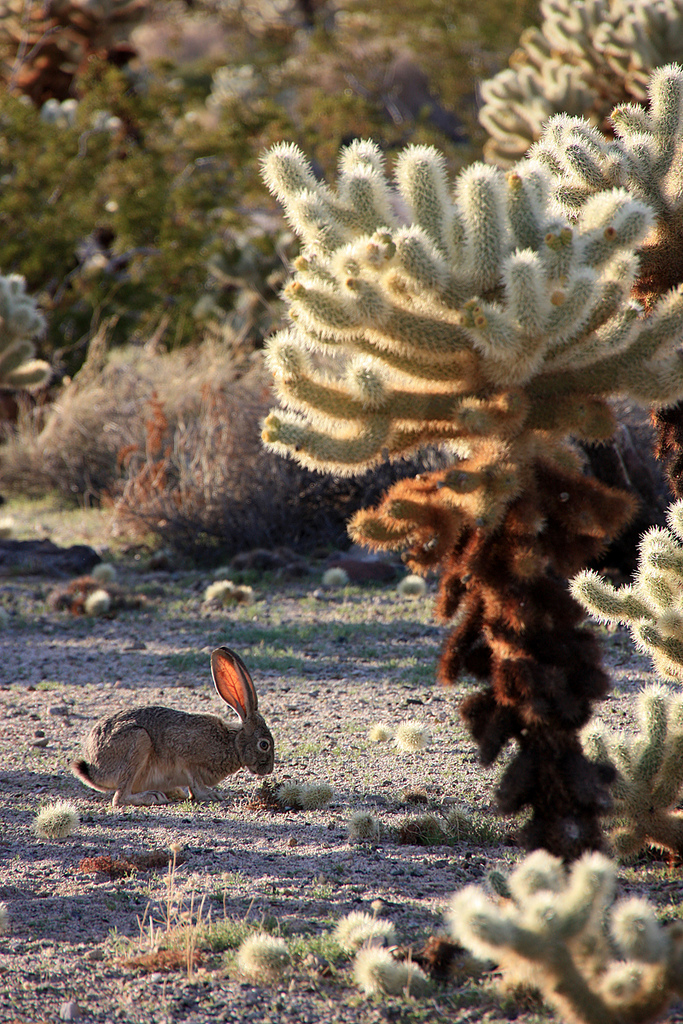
606 602
616 965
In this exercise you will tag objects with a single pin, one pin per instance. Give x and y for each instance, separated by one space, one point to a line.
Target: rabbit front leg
202 793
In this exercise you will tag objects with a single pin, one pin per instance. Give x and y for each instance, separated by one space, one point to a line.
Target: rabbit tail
81 770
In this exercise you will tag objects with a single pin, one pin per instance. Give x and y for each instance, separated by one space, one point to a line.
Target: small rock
156 978
58 709
291 841
42 741
38 734
69 1011
136 645
95 954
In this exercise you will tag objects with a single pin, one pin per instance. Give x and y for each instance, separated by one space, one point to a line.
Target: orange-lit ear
233 682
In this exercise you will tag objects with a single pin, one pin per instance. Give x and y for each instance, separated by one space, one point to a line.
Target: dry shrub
163 960
120 867
207 487
173 440
75 446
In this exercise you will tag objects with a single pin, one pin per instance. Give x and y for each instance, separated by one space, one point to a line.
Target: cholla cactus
652 607
555 935
43 45
482 321
19 322
650 774
587 56
645 158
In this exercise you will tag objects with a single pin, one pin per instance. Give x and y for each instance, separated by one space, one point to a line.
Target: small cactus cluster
595 961
304 796
409 736
20 321
412 586
587 56
43 45
649 778
223 593
652 607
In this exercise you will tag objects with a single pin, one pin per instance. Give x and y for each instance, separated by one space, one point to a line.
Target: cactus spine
19 322
649 779
587 56
555 934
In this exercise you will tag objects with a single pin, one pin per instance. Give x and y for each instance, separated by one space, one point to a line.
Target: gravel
326 671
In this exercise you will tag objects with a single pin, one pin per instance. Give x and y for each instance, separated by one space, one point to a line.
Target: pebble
58 709
41 741
69 1011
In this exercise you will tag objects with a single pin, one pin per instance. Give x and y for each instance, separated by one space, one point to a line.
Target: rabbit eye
264 745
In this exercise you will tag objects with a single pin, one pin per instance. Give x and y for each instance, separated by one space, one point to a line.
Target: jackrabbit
144 755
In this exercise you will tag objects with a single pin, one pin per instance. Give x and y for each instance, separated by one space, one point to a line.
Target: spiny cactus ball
105 572
56 821
379 733
263 957
98 602
412 586
358 929
412 736
376 972
364 827
335 577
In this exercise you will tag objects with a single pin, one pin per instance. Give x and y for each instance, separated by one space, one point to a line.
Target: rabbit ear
233 682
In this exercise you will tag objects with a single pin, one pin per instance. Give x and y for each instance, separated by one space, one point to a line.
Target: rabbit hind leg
130 783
